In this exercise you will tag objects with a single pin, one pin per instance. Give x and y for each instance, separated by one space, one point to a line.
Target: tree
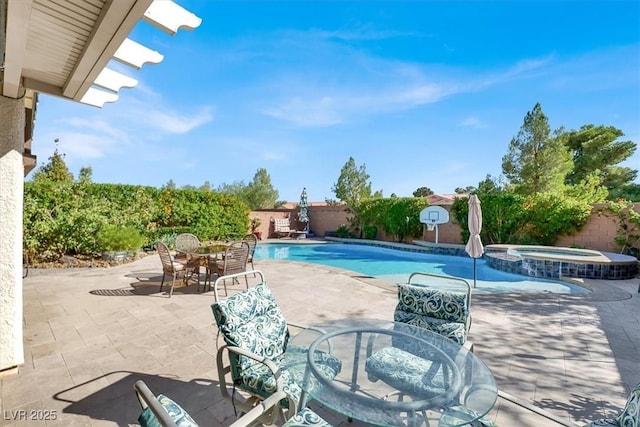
422 192
85 175
469 189
55 170
595 148
353 183
537 161
170 185
260 193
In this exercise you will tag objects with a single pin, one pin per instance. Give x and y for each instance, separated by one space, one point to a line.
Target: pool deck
91 333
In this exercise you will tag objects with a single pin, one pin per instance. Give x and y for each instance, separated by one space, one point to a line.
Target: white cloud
85 146
473 122
175 123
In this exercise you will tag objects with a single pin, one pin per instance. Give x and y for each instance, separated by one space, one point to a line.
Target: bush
343 232
370 232
115 238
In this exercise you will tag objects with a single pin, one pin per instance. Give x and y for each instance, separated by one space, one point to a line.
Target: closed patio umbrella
303 216
474 246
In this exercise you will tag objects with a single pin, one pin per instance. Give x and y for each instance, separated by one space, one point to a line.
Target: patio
91 333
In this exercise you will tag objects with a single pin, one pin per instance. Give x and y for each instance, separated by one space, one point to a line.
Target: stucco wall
11 204
598 233
321 219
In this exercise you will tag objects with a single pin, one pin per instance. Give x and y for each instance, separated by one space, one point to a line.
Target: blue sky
424 93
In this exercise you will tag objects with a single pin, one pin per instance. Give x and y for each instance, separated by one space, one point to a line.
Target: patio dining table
205 252
456 387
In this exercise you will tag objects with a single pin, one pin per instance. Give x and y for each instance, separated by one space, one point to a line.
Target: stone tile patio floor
91 333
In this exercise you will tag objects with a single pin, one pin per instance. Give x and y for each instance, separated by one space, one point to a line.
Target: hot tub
557 262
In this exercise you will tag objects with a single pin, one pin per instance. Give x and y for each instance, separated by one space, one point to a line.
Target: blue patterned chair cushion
405 372
629 417
306 417
259 380
443 312
603 422
177 414
253 321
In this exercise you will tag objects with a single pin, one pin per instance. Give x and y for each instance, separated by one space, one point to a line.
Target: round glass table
394 374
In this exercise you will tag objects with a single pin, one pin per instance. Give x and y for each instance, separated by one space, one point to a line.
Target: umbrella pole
475 272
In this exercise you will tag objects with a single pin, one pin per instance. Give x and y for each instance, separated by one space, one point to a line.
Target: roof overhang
62 47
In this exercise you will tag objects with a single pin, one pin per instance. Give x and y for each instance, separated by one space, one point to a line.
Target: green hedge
539 219
67 218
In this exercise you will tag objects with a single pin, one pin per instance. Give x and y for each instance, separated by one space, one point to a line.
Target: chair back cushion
443 312
437 303
281 225
252 320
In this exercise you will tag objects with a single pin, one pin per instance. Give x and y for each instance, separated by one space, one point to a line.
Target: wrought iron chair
175 268
253 358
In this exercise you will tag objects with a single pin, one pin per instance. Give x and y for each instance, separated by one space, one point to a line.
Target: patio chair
185 243
160 410
306 417
252 241
429 306
256 336
175 268
432 309
281 227
234 261
629 417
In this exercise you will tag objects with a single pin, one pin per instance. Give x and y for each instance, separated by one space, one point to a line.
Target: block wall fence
597 234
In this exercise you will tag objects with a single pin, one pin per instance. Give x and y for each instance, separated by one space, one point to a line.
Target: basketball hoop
431 226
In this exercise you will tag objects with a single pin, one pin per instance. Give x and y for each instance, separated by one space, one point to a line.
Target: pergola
61 48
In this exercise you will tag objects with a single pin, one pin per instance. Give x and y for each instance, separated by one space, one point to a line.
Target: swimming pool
395 266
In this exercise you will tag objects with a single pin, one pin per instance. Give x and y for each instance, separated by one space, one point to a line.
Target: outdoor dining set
416 369
219 259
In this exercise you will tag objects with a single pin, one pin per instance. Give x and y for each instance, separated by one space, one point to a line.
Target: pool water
395 266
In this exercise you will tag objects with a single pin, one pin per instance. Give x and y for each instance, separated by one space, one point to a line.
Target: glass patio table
454 386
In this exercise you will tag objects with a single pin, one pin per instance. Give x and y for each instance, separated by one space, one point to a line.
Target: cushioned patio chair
434 309
282 227
160 410
430 306
306 417
629 417
173 267
254 358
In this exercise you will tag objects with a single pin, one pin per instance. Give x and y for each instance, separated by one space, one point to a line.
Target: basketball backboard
434 215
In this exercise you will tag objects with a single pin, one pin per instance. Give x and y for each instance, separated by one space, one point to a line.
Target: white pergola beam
136 55
98 98
114 81
170 17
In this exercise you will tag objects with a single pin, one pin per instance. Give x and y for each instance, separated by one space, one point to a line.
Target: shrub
343 232
370 232
115 238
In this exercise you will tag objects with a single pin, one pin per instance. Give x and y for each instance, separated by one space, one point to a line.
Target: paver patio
91 333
